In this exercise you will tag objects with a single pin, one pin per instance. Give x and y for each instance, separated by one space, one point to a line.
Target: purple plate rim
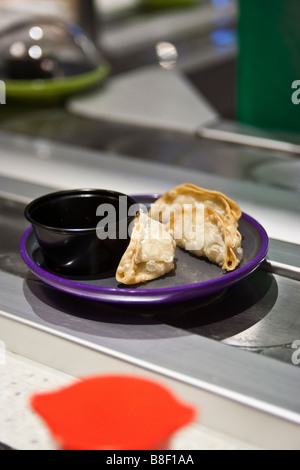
164 294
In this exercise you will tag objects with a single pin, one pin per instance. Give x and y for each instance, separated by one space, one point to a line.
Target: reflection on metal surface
284 259
36 33
35 52
68 47
247 140
284 270
249 316
167 55
284 174
12 223
17 49
240 162
275 330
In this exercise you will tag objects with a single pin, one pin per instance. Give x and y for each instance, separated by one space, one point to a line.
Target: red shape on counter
113 413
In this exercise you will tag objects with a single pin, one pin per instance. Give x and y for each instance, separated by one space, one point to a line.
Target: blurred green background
268 64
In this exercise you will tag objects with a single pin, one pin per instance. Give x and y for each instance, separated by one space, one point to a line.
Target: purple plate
193 277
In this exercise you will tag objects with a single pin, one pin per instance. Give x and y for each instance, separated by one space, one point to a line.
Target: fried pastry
202 222
150 254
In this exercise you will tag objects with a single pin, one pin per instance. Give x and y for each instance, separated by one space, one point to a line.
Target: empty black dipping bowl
82 232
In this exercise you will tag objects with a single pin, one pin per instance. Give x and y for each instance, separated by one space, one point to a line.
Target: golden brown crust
193 193
220 216
150 254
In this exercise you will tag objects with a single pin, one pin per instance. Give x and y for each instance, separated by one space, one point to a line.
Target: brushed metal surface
249 315
284 259
248 140
147 341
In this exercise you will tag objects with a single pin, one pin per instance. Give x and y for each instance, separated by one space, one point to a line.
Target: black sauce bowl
82 232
